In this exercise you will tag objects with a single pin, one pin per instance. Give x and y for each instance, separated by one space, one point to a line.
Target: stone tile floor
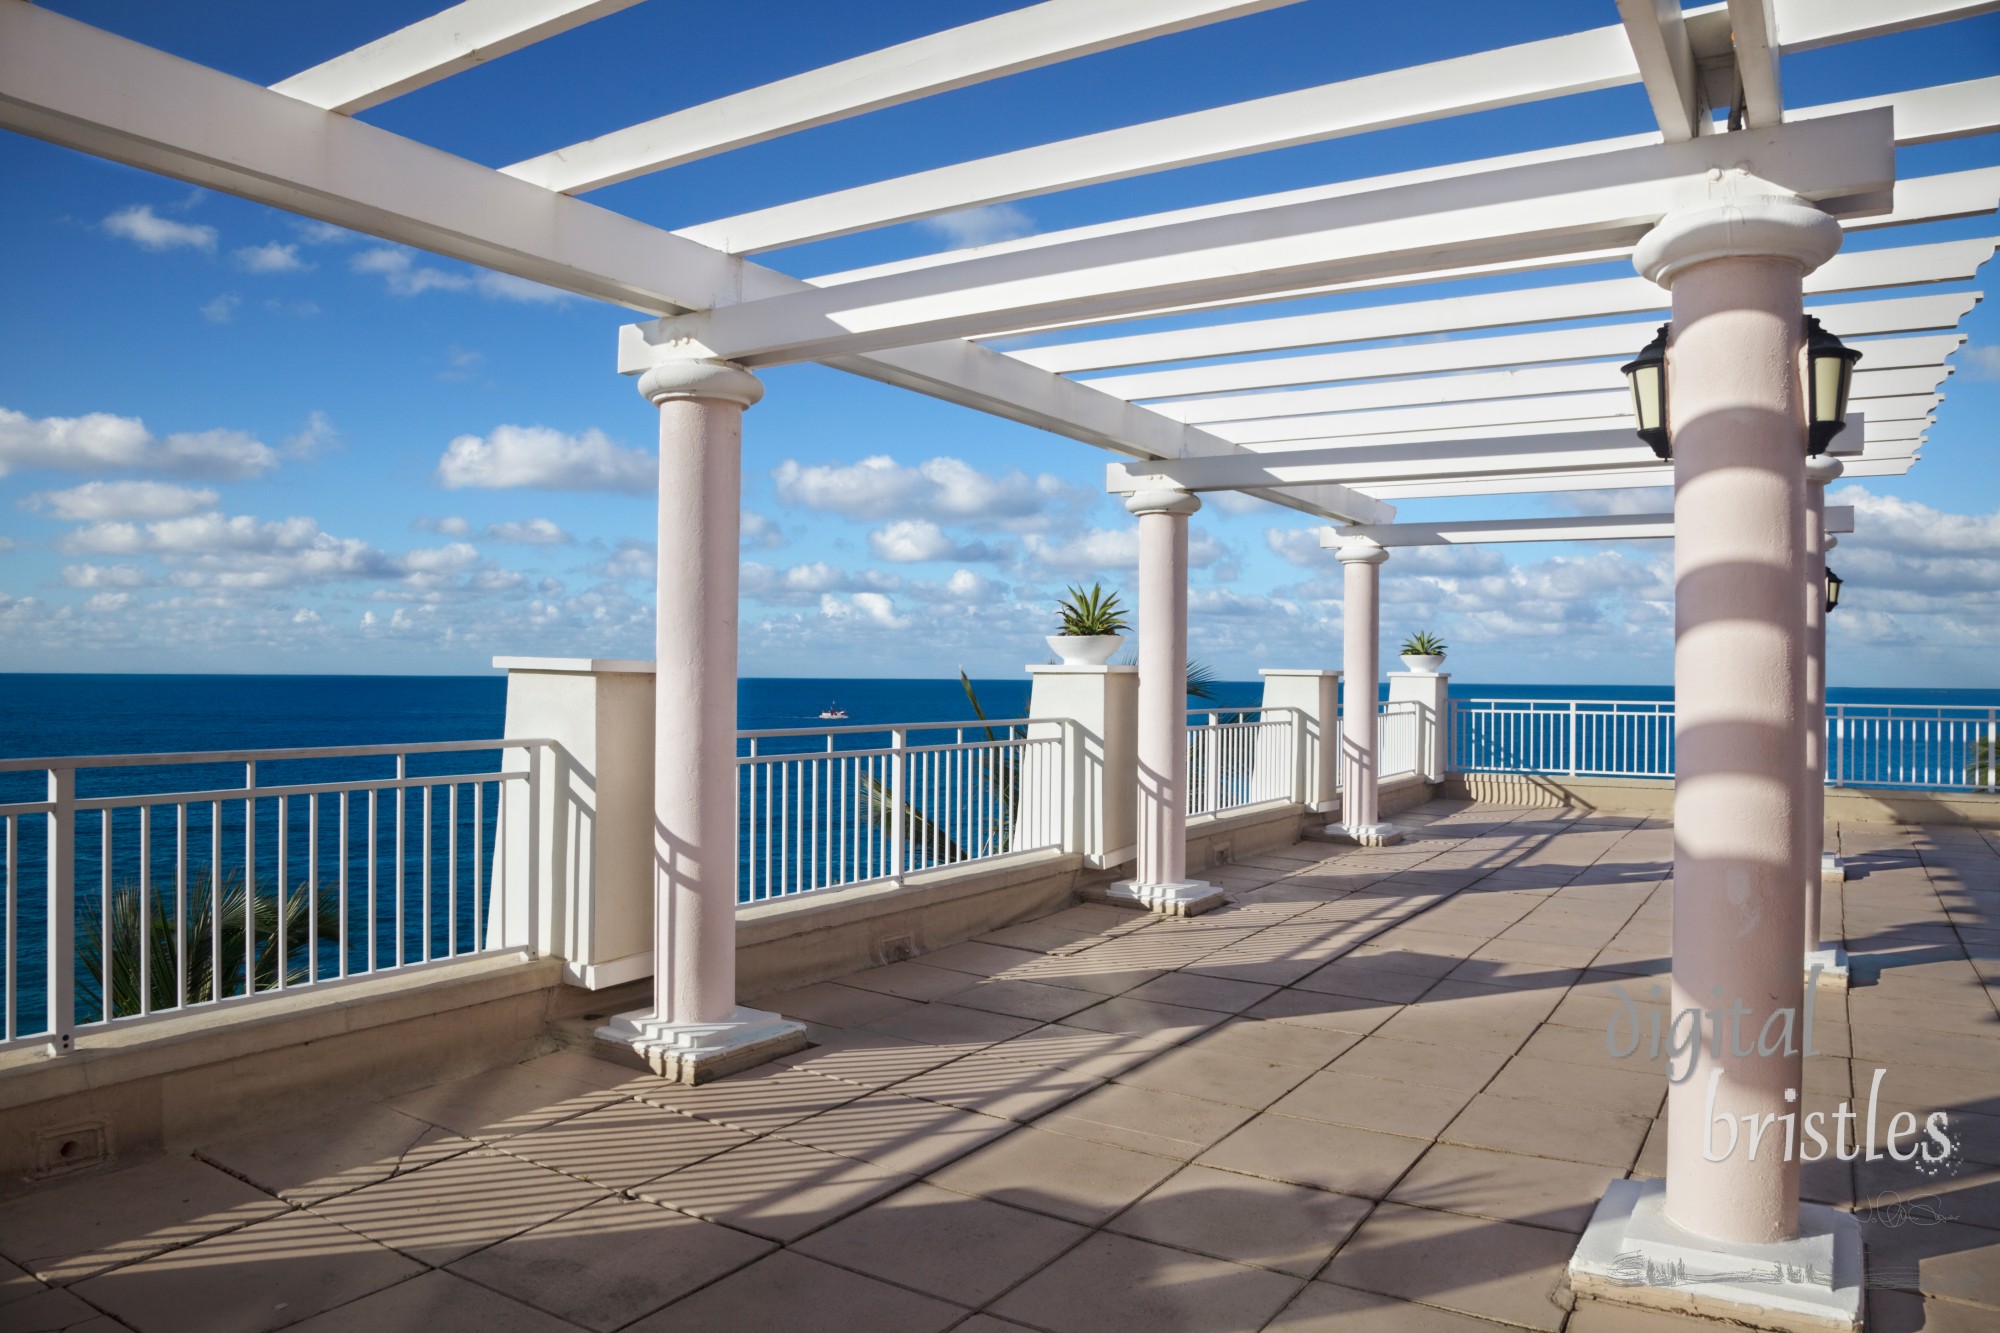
1371 1094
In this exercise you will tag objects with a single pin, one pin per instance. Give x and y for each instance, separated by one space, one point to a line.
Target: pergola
1733 212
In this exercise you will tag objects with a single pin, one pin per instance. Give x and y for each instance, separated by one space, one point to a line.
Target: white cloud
105 576
321 233
632 560
143 227
1981 361
98 440
915 540
106 602
404 276
869 608
313 438
97 500
271 257
1298 546
533 532
451 526
221 309
1639 500
980 226
545 459
760 533
229 455
1097 551
939 489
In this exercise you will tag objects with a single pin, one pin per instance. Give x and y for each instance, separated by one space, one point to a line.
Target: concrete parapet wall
169 1083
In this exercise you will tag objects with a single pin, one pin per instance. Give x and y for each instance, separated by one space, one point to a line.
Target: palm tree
1984 770
227 902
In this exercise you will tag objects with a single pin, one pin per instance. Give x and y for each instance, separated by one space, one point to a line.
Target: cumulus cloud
531 532
271 257
101 441
97 500
404 276
1981 361
938 489
544 459
1638 500
980 226
632 559
146 229
451 526
915 540
321 233
314 438
105 576
221 309
867 608
1095 551
760 533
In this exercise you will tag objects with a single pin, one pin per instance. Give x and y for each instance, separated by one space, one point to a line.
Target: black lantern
1829 375
1647 374
1833 582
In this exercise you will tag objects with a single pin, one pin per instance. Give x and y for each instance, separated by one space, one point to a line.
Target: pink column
1160 880
1820 471
695 1029
1739 441
1361 675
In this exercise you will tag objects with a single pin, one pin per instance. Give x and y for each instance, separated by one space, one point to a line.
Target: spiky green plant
1002 768
205 909
1423 644
1091 613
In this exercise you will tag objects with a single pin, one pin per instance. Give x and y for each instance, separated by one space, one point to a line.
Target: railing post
1572 737
1071 796
1989 764
62 910
1211 767
899 762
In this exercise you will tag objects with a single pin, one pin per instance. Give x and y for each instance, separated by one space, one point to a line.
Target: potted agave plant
1093 625
1424 652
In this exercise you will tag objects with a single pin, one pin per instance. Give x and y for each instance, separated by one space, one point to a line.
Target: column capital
1823 468
1162 501
1360 552
1744 217
723 381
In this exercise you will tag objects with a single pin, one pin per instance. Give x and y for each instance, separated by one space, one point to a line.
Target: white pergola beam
1590 377
1583 528
1655 475
447 43
1660 44
1846 164
1555 67
1805 24
1010 43
1754 26
93 91
1927 115
1943 261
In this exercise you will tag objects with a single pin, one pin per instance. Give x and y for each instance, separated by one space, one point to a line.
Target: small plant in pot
1093 625
1423 651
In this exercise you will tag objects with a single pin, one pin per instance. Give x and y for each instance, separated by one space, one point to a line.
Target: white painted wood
1952 194
1754 24
1659 41
1927 115
1656 475
1009 43
1547 210
447 43
1805 24
1945 261
1589 527
1581 62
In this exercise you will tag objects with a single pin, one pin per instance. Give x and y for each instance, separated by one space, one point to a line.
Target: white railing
234 876
826 807
1241 757
1913 746
1397 739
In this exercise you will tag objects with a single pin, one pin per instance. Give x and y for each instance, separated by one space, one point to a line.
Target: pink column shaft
694 737
1739 690
1163 744
1360 684
1812 827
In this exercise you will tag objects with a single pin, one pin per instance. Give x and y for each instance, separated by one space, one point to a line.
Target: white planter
1424 663
1085 649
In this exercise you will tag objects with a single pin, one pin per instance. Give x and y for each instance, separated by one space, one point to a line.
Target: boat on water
834 712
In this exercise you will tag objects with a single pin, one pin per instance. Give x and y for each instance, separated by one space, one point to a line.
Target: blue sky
298 449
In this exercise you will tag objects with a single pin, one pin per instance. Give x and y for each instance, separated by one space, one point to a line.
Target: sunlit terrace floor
1372 1094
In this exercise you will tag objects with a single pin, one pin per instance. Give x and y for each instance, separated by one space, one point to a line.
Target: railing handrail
1213 709
863 727
167 760
793 756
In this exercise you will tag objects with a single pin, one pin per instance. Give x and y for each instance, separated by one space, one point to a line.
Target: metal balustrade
1242 757
1397 739
826 807
148 885
1906 746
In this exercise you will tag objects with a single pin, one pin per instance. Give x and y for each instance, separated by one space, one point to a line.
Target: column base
1832 867
1365 835
1832 965
1187 897
1631 1254
701 1052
